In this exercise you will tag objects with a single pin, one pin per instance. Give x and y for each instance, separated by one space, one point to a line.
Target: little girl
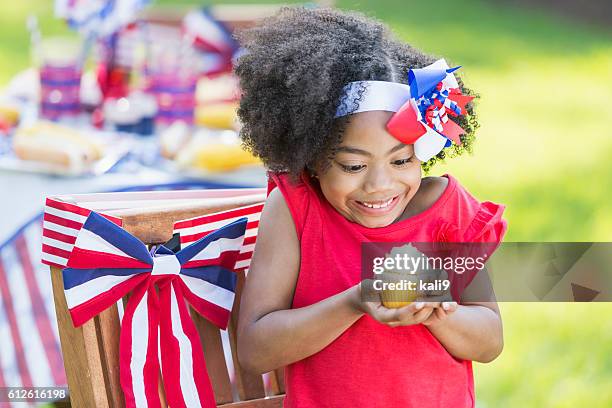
329 100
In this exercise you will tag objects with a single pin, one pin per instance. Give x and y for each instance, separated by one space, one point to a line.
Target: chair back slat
82 354
250 386
277 381
216 366
107 330
280 374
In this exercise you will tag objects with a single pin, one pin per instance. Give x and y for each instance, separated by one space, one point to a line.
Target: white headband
386 96
390 97
377 96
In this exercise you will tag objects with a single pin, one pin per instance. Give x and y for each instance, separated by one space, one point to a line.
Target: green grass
14 40
555 355
543 150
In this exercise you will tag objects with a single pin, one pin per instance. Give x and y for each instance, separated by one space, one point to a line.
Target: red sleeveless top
371 364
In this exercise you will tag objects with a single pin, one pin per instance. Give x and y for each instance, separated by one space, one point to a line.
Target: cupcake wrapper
394 299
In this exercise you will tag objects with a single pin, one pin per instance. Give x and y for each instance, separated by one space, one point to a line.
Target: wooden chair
91 352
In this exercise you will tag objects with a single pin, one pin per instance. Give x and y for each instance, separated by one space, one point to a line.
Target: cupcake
397 293
412 278
400 284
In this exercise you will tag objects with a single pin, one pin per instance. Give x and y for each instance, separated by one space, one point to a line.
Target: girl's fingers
449 307
416 318
436 298
430 313
384 315
436 316
421 315
415 312
415 307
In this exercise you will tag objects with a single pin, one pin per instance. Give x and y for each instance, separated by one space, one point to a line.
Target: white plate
115 146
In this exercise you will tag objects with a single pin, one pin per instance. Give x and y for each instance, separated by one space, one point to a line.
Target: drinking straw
35 36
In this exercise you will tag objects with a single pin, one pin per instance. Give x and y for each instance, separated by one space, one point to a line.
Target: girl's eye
354 168
402 162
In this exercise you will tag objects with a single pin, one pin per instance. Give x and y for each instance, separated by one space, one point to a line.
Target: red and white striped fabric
30 354
195 228
62 222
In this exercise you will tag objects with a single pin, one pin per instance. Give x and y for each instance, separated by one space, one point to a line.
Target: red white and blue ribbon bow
421 108
107 263
424 119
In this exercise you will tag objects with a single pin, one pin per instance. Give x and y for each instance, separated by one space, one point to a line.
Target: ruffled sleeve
297 195
487 225
467 220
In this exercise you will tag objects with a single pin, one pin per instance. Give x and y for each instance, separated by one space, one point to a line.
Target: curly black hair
292 73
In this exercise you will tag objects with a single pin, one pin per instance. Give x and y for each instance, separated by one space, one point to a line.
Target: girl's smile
377 207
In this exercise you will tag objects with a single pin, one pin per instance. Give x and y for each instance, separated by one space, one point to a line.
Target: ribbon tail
183 366
453 131
461 100
138 349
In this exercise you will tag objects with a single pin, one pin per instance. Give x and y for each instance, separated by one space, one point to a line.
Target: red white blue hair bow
422 107
107 263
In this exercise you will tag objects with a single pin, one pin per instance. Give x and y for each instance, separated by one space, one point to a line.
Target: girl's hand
414 313
441 313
